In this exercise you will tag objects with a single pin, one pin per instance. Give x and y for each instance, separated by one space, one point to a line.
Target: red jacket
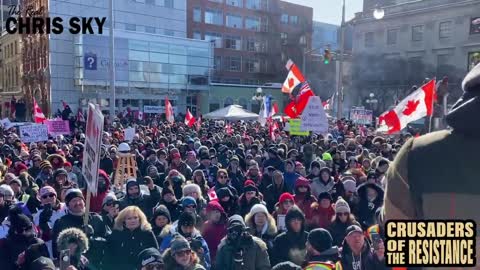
321 217
96 201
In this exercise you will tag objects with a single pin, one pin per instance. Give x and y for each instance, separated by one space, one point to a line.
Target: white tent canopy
232 112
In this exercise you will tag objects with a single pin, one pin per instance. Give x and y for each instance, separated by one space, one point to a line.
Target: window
150 29
475 26
445 29
197 15
284 36
233 42
233 63
252 65
214 36
473 59
228 100
392 36
252 23
218 1
235 3
294 19
250 45
218 63
169 3
284 18
213 17
303 40
234 21
369 39
197 35
417 33
169 32
255 4
130 27
150 2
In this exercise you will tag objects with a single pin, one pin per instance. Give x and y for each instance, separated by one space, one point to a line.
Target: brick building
253 39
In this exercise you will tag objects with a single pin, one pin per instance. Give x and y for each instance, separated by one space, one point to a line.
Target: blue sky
330 11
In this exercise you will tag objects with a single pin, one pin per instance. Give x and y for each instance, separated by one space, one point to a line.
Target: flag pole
433 105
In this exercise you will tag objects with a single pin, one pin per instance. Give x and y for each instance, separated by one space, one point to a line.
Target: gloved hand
46 215
88 230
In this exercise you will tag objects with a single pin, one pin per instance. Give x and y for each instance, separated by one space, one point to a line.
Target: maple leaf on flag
411 107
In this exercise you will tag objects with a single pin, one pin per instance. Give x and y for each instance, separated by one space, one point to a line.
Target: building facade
153 58
325 35
10 71
415 40
253 39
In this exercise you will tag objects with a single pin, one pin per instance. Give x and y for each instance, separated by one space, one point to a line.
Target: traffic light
327 57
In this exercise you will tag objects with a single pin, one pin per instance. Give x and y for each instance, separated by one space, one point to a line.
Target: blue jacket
290 179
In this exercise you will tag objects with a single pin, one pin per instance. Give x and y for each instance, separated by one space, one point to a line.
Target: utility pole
112 62
340 66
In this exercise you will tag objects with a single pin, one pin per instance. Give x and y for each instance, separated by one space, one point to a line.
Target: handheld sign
91 153
314 117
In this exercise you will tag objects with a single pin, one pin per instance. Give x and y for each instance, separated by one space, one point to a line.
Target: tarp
232 112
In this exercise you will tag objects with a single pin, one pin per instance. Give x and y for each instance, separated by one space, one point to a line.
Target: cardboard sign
129 134
361 116
314 117
91 153
58 127
33 133
6 124
294 128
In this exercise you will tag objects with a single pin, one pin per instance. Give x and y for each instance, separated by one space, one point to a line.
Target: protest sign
6 124
153 109
91 153
58 127
294 128
33 133
361 116
129 134
313 117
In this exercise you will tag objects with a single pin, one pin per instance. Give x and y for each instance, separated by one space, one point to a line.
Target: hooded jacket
213 233
74 235
268 233
289 245
321 217
254 253
229 206
304 200
145 202
338 230
273 194
368 259
96 201
366 208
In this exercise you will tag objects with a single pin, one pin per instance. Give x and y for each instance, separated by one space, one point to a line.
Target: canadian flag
274 110
38 114
169 111
416 106
80 117
294 78
189 119
273 127
198 123
212 195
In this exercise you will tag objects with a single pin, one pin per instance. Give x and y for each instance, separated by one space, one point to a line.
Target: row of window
233 42
161 3
212 16
11 50
10 78
146 29
234 64
250 4
286 19
445 31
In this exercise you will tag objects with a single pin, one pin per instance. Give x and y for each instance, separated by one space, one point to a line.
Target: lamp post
258 96
372 101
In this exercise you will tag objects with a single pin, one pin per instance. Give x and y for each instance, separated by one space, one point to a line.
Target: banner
314 117
33 133
153 109
91 153
295 128
129 134
361 116
58 127
6 124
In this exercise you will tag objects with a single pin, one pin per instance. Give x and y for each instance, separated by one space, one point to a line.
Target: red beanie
249 183
67 164
286 196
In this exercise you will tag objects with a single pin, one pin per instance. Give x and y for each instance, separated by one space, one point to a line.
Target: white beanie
109 198
258 208
189 188
6 190
341 206
350 185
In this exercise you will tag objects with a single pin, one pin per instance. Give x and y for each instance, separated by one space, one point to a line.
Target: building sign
90 61
475 26
473 60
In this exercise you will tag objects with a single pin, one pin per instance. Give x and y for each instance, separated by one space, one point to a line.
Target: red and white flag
274 110
140 115
416 106
169 111
302 97
273 128
198 123
38 115
229 129
294 78
189 119
212 195
80 117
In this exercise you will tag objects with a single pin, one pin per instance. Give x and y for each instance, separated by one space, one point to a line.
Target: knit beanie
190 188
350 185
186 201
73 193
320 239
47 190
45 164
286 196
17 181
236 220
18 219
109 198
42 263
167 190
325 195
249 185
6 190
148 256
327 157
286 266
215 205
258 208
179 243
224 192
131 182
186 219
161 210
294 212
341 206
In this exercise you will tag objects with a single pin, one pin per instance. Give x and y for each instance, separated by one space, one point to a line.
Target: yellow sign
423 243
295 125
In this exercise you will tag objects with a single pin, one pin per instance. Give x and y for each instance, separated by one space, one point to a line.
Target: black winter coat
273 194
289 246
145 202
11 247
338 231
124 246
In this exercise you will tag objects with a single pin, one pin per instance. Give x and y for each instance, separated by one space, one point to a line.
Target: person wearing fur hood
161 222
76 241
194 191
262 225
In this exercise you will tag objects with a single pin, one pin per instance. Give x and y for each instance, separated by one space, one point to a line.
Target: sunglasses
343 214
183 253
51 195
154 266
222 177
111 203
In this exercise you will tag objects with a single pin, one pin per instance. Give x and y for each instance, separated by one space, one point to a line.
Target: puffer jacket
254 253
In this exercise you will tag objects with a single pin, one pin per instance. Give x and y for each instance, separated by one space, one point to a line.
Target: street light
372 100
258 95
378 12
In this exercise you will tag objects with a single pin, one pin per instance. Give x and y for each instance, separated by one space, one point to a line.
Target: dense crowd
206 197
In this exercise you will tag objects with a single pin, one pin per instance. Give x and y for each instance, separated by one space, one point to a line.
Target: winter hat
6 190
191 154
294 212
236 220
73 193
324 195
47 190
17 181
176 155
148 256
302 182
35 251
234 158
249 185
320 239
109 198
167 190
258 208
161 210
286 266
67 164
350 185
21 167
186 201
45 164
73 235
190 188
131 182
315 164
353 229
326 169
179 243
61 171
224 192
186 219
341 206
215 205
42 263
327 157
285 196
18 219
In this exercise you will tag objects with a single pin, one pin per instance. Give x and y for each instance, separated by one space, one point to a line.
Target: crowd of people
204 197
